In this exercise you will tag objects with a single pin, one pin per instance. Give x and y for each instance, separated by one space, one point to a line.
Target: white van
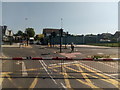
31 40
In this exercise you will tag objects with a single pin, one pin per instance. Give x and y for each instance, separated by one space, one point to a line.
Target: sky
77 17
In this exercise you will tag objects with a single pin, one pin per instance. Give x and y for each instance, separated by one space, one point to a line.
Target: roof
117 34
50 30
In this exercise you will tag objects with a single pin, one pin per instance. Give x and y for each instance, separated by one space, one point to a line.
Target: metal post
66 40
61 32
60 44
61 66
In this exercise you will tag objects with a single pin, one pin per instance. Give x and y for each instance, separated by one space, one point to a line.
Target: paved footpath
15 45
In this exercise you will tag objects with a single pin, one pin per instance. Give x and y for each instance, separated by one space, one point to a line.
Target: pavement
59 74
16 45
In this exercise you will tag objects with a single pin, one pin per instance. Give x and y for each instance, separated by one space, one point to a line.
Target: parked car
38 43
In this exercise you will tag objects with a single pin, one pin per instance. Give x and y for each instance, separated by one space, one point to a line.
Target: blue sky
78 17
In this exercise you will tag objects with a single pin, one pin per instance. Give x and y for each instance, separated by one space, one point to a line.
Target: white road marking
52 64
63 85
24 70
18 62
100 53
97 70
47 71
114 74
68 63
63 63
108 65
84 65
44 63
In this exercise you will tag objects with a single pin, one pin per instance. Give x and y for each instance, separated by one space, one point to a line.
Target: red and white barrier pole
61 58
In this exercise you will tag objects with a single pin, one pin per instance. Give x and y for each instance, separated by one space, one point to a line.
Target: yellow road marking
106 80
111 81
2 76
34 82
89 83
33 69
86 78
77 79
8 77
67 82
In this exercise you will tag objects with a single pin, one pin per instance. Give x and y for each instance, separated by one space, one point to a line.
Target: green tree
30 32
39 36
19 33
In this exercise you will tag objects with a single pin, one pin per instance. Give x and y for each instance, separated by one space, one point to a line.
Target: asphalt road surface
58 73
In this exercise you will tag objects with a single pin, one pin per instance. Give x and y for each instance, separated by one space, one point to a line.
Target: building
6 34
48 31
117 36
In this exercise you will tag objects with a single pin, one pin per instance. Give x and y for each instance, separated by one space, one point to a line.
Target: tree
30 32
19 33
39 37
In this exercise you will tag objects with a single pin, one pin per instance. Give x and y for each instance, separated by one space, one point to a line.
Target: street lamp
27 36
61 34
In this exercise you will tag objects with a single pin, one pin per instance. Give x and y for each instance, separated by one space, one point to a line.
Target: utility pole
61 34
27 37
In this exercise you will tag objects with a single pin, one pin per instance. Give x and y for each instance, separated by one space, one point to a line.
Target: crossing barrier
60 58
55 65
17 58
37 58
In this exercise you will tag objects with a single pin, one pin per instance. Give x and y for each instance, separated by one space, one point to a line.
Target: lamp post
27 36
61 34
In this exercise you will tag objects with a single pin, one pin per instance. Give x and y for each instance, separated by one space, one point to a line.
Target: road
59 74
